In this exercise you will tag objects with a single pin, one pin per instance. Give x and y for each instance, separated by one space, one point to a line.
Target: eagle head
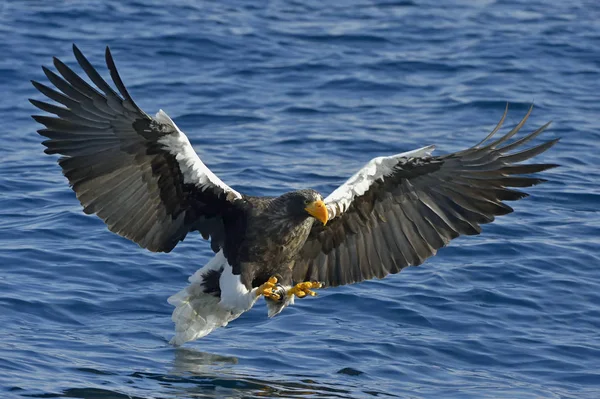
304 203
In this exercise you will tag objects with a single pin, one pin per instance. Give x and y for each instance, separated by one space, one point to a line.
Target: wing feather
398 211
139 174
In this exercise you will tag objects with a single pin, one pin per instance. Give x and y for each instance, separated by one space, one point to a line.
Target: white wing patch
378 168
193 169
197 313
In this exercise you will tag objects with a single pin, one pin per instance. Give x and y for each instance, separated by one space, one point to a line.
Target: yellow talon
266 289
303 289
300 290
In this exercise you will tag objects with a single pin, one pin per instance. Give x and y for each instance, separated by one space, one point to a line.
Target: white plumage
192 168
377 168
197 313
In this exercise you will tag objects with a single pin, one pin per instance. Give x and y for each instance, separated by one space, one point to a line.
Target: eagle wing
139 174
399 210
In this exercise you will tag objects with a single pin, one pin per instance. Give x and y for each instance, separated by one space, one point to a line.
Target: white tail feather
197 313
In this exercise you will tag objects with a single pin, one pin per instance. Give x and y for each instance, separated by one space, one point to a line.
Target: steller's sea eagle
142 177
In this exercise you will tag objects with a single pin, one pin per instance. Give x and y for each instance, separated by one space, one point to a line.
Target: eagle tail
198 312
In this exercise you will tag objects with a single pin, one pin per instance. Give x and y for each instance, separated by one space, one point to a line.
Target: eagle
142 177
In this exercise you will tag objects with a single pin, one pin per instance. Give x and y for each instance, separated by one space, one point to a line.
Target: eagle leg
266 289
303 289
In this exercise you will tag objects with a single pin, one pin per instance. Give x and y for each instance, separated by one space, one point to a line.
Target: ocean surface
282 95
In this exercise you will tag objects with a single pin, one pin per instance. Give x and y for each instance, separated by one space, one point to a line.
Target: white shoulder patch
162 117
378 168
193 169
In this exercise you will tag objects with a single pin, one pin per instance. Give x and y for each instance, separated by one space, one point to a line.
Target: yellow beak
318 210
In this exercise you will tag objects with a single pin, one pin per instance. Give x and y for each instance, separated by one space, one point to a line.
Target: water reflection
188 360
207 375
196 374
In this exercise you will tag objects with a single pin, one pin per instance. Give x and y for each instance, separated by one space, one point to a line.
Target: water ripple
302 93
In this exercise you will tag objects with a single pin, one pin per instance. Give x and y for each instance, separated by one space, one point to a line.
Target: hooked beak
318 210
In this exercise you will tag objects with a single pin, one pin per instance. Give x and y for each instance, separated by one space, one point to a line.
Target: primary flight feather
142 177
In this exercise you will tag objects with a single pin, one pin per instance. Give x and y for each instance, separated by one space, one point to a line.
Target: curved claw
274 296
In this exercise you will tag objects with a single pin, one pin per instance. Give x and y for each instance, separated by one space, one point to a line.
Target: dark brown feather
418 208
116 166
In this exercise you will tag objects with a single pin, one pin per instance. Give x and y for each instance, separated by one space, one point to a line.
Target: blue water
301 94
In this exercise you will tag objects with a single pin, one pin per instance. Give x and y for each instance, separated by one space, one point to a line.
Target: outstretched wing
398 211
139 174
